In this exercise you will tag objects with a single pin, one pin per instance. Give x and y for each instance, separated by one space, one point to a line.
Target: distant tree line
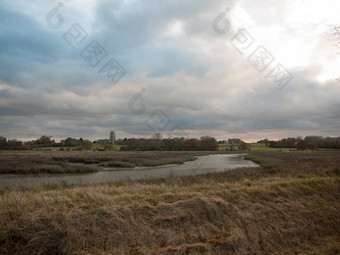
43 141
9 144
234 141
309 142
72 142
284 143
264 141
158 143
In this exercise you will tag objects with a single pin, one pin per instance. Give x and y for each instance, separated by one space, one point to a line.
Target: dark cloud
173 58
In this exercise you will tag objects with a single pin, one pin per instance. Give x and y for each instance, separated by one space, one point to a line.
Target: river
204 164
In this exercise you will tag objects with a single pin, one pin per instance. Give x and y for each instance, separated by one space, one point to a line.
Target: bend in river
203 165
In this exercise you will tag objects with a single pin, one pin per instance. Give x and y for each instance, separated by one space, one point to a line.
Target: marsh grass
47 169
74 162
337 171
289 207
166 161
118 164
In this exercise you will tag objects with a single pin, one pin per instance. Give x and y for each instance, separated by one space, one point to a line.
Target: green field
94 147
258 147
253 147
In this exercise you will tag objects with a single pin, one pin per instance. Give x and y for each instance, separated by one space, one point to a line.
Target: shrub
109 147
119 164
312 146
24 147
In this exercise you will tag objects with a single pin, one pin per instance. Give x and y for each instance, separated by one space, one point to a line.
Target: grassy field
290 205
256 147
74 148
253 147
264 148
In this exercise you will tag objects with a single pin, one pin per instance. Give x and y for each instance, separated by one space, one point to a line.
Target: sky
250 69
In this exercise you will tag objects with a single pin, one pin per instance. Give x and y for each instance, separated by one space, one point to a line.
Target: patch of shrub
91 161
118 164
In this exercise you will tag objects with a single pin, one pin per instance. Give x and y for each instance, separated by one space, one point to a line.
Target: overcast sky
187 68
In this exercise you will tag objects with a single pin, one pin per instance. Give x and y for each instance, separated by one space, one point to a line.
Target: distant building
112 137
103 141
111 140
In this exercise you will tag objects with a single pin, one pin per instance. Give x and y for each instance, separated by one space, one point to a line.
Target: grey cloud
200 82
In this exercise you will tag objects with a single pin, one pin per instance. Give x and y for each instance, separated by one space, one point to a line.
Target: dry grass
289 206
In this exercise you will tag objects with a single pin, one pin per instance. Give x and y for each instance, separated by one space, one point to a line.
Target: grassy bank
290 205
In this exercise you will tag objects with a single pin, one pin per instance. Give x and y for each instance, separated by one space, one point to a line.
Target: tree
156 142
337 143
318 140
174 144
243 146
214 146
301 145
86 145
3 143
283 143
312 146
264 141
71 142
157 136
234 141
43 140
192 144
13 144
207 143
